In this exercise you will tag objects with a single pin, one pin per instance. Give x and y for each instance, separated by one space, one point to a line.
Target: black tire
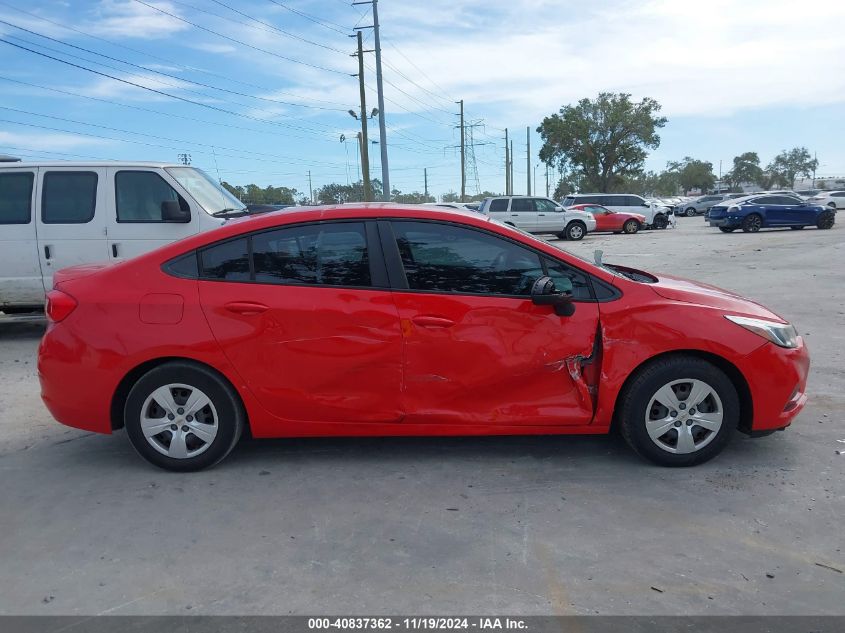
752 223
796 228
644 385
690 212
630 227
230 415
826 220
660 221
575 230
725 229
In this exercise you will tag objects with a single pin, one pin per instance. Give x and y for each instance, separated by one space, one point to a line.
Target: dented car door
477 351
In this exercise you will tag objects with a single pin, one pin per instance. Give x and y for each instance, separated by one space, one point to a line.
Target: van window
325 254
522 205
568 201
69 197
498 205
140 194
16 197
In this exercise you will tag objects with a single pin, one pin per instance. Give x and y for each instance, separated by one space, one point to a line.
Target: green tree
335 193
450 196
746 169
480 196
693 174
410 198
604 140
791 163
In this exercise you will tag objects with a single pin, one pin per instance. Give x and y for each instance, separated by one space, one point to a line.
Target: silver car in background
702 204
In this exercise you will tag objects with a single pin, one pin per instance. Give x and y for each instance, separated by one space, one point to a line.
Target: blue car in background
763 211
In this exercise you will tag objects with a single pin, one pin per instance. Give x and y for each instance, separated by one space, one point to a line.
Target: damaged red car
388 320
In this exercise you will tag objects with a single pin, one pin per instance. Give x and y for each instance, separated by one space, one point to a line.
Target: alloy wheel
684 416
179 421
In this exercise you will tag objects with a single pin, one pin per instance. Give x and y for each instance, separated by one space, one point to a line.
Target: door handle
542 215
247 308
114 249
47 252
432 321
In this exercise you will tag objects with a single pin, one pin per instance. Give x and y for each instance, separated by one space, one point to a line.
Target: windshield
205 190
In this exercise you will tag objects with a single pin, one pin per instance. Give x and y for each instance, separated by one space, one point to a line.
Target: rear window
16 197
69 197
227 260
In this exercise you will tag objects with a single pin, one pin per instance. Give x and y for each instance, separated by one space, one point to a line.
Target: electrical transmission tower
472 166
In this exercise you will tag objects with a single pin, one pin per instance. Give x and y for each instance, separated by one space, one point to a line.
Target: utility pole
507 167
547 180
463 156
385 172
528 159
511 167
425 176
310 188
365 154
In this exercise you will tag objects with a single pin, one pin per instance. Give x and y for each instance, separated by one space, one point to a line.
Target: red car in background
611 221
384 319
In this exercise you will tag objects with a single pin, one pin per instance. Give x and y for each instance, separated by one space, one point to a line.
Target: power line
324 23
131 83
161 59
151 70
242 43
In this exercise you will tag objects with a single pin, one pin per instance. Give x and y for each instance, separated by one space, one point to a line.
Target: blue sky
259 89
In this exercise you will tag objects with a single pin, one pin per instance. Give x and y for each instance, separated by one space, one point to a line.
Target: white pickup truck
59 214
539 215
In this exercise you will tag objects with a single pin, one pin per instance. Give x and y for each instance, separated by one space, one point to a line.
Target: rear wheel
679 411
725 229
660 221
575 230
631 226
181 416
826 220
690 212
752 223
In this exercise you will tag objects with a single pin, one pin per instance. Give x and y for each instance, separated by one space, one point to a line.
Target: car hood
686 291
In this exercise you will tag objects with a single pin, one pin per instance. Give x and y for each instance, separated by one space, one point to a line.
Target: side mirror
172 211
559 208
543 293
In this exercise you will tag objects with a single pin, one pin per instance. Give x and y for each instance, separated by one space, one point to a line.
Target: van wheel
575 230
631 226
679 411
826 220
660 221
183 417
752 223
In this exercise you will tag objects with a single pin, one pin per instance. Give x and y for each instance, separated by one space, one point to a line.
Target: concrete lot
570 525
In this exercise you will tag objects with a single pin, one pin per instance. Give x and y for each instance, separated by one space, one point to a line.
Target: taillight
59 305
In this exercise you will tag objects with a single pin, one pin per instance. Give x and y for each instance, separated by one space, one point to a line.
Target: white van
58 214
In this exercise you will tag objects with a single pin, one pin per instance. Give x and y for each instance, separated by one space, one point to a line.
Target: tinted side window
633 201
69 197
522 205
568 279
788 200
593 200
227 260
447 258
840 194
765 200
499 205
140 194
16 197
545 206
329 254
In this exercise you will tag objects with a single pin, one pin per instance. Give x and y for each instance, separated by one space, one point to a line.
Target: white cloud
48 142
116 18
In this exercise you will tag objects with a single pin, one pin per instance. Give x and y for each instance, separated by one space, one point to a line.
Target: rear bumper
777 379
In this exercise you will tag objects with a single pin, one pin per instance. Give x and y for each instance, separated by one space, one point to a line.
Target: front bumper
777 380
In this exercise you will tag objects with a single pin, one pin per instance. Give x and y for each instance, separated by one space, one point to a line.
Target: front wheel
725 229
183 417
660 221
690 212
679 411
752 223
575 230
631 226
826 220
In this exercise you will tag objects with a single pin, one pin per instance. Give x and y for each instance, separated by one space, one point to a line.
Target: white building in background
820 182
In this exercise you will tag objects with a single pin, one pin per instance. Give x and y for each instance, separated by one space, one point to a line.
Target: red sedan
391 320
611 221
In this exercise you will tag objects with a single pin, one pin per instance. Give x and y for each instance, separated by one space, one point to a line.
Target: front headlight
781 334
